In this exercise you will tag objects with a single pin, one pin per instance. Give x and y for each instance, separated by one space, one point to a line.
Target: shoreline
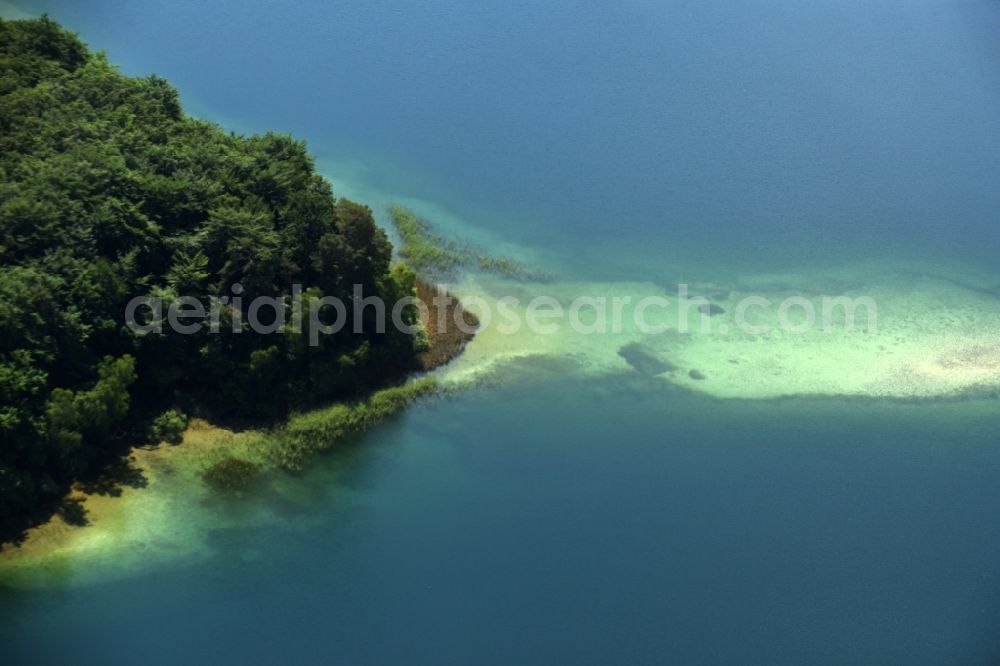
162 468
168 520
938 341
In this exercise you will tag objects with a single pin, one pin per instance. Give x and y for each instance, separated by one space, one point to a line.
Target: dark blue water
741 133
505 527
586 521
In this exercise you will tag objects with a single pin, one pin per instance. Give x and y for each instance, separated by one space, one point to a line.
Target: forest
108 192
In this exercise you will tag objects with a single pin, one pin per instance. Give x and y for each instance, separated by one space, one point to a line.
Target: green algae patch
425 251
435 256
232 475
317 431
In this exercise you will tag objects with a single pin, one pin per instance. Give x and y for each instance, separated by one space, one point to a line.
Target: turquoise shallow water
596 520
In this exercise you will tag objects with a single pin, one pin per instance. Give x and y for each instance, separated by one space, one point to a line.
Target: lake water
583 519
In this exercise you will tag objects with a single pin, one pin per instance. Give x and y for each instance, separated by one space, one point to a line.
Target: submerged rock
696 374
645 360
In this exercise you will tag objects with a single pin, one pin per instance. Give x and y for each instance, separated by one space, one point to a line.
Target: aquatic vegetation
424 250
503 266
434 256
319 430
232 475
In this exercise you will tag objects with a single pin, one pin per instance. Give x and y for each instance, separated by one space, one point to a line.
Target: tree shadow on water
73 512
114 477
108 480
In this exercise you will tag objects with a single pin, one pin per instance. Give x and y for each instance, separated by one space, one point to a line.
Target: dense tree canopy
108 192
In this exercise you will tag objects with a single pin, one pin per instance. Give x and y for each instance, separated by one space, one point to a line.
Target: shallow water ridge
714 496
